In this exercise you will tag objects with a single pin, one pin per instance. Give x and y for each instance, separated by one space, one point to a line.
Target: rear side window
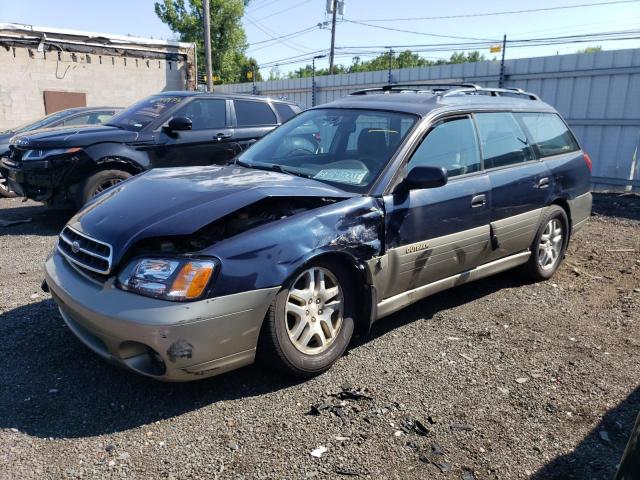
284 111
450 144
549 133
79 120
503 140
251 114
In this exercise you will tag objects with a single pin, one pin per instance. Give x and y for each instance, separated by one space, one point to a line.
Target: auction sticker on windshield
353 177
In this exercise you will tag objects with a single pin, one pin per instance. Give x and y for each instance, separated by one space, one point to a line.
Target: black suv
70 165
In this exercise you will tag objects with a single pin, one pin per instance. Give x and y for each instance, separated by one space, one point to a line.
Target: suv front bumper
36 181
165 340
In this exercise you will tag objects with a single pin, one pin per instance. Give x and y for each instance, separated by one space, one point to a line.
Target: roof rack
493 91
414 87
447 89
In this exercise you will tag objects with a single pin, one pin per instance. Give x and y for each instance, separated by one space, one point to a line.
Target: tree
403 59
228 40
595 49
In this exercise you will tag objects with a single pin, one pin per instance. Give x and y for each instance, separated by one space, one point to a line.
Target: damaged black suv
172 129
343 215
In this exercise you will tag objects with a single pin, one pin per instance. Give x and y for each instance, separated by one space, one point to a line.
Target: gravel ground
497 379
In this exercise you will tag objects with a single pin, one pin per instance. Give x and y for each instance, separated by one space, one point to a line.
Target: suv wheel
310 322
99 182
549 244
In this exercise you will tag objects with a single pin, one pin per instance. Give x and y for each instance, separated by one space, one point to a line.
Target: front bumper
165 340
33 179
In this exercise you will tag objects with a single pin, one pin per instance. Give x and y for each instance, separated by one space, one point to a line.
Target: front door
210 140
436 233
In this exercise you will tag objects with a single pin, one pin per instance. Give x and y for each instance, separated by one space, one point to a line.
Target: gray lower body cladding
165 340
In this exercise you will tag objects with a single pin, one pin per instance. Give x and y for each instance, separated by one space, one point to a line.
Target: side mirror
423 177
178 124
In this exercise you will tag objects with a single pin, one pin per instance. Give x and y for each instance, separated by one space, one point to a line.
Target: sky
265 19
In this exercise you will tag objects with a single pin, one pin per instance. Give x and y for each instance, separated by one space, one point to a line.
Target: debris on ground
318 452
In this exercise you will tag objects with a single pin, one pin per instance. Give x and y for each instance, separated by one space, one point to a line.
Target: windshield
348 148
42 123
141 114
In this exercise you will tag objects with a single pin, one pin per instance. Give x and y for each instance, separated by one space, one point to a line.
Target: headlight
48 152
168 278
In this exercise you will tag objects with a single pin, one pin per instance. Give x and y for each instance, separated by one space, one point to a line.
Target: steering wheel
299 151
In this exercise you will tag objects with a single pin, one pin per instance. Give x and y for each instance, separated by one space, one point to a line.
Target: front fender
268 256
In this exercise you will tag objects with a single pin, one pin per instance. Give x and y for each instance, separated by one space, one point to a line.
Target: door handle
222 136
543 182
478 201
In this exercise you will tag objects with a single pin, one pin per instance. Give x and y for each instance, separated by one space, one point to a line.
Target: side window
285 111
102 117
503 141
549 133
204 113
251 114
79 120
450 144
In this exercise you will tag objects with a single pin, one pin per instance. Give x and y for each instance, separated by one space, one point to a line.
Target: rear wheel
549 245
310 323
4 189
98 182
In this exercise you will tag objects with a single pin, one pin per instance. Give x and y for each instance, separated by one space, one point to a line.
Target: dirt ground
501 378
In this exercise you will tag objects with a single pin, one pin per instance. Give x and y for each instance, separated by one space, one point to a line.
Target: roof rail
446 89
493 91
415 87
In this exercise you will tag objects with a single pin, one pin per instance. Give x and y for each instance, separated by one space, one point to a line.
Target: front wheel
549 245
310 323
98 182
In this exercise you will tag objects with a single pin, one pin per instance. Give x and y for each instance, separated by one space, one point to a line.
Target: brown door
55 101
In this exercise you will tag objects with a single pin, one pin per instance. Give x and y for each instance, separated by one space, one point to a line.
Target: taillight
587 160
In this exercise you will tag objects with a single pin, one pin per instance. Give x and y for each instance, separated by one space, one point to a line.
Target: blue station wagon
343 215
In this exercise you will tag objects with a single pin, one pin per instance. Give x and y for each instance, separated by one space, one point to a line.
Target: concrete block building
43 70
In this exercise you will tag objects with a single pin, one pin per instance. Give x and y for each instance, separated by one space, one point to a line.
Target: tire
547 250
4 190
278 345
98 182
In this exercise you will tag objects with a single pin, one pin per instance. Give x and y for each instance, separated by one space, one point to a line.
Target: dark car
172 129
68 117
184 273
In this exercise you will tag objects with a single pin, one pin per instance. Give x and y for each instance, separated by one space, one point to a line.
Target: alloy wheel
314 311
550 246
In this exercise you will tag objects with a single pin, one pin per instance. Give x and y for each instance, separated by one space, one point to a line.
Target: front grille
84 251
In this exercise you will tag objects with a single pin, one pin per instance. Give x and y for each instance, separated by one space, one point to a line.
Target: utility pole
207 43
504 47
390 64
334 7
313 79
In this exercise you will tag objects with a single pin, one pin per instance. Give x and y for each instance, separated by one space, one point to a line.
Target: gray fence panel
597 93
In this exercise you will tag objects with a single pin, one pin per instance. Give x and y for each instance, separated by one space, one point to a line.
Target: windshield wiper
274 167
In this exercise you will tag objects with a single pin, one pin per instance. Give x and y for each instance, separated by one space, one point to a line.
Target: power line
287 35
357 22
284 10
292 45
489 14
464 46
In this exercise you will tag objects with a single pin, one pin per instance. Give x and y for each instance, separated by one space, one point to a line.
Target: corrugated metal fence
598 94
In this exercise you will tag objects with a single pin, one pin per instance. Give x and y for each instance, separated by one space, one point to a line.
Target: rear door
210 140
520 183
436 233
253 120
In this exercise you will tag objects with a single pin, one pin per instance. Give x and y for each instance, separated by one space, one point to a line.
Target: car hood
78 136
180 201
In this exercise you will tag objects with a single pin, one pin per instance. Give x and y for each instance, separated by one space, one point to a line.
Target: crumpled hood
77 136
180 201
